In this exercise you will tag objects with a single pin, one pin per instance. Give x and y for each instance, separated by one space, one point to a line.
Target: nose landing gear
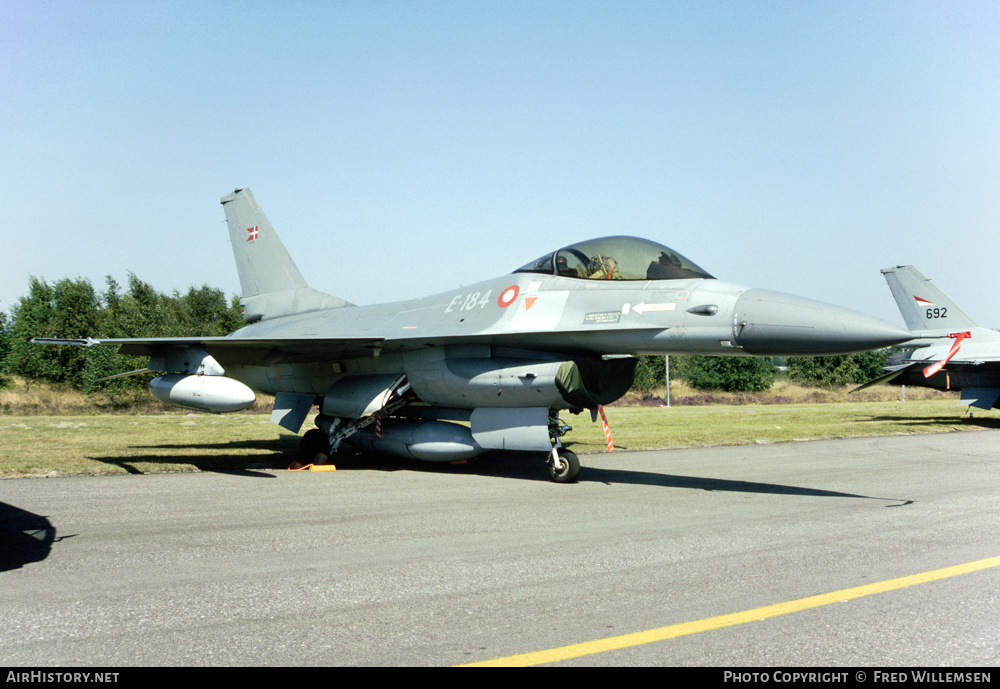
564 466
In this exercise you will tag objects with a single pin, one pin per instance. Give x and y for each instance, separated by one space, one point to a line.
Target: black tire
314 447
570 468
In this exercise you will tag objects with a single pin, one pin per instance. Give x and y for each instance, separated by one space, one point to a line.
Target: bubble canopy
616 258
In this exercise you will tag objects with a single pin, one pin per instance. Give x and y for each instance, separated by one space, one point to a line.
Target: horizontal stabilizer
287 303
981 398
891 375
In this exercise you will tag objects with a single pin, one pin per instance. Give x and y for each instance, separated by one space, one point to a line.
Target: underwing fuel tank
216 394
770 323
430 441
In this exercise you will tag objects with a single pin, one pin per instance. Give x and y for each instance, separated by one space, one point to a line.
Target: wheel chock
295 466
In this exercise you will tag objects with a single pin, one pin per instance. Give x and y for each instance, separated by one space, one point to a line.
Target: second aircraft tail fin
272 284
923 306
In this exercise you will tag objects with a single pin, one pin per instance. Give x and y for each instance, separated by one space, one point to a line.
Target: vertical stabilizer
922 305
271 282
261 259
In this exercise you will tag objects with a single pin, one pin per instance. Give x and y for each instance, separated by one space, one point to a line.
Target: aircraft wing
268 351
263 351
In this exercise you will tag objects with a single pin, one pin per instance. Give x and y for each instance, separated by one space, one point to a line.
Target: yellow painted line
686 628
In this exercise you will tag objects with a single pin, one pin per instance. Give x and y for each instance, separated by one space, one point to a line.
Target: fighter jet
970 359
484 367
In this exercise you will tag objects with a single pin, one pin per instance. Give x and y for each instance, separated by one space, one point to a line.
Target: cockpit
616 258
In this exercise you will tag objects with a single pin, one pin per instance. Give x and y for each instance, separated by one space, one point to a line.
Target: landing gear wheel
568 470
314 448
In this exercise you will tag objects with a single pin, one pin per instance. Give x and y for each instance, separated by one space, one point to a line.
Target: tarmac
413 564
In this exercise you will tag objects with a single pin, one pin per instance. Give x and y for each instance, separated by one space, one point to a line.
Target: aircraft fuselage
544 316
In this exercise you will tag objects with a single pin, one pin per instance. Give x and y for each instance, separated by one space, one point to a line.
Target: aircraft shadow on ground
26 537
986 423
619 476
225 458
270 456
277 455
531 467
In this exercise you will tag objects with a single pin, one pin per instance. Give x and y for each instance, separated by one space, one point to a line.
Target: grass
642 427
51 431
785 392
94 444
19 397
139 444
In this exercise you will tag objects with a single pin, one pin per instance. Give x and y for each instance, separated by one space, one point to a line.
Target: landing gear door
518 428
355 397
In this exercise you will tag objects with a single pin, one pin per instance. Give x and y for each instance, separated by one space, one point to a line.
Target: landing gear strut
564 466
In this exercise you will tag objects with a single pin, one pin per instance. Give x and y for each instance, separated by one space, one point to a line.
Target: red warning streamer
607 429
931 370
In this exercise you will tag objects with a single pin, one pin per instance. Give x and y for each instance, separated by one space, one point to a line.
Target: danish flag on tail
253 233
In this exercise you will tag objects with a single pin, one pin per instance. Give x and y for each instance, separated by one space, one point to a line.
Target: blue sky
407 148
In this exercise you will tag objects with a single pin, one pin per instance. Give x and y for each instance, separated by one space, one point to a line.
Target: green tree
207 313
650 373
822 371
4 346
72 309
870 365
836 371
732 374
138 312
234 315
67 309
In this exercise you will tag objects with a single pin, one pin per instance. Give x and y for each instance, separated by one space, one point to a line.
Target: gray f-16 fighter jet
968 361
501 357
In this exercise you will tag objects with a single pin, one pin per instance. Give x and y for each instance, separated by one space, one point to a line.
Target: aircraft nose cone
775 324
